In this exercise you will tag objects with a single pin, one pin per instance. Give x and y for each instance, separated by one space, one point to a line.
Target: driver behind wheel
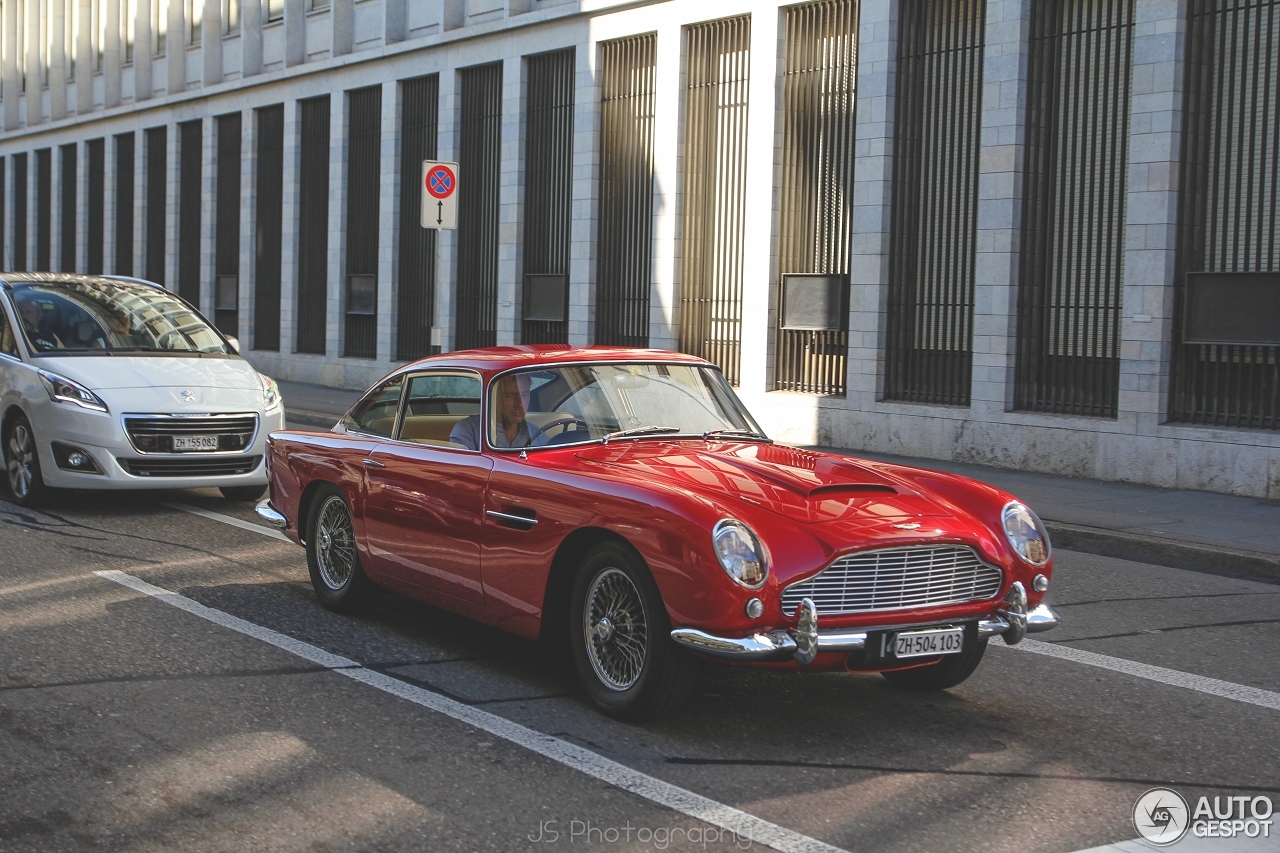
510 429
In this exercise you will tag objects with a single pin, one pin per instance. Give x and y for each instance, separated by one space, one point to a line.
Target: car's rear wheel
948 672
242 494
339 581
621 638
22 464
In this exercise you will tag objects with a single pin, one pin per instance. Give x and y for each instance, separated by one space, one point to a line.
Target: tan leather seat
429 429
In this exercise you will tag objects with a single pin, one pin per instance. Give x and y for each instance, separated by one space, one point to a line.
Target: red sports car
625 500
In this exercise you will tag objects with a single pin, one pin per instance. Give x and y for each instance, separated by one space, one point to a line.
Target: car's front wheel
948 672
621 638
339 581
242 494
23 464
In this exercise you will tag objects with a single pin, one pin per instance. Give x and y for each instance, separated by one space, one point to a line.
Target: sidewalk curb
322 420
1174 553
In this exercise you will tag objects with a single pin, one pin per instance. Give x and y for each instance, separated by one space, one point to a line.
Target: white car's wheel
22 463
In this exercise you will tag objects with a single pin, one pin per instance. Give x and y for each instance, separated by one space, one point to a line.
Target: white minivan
116 383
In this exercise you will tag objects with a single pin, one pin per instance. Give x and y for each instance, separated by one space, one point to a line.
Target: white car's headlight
741 555
270 392
1026 533
63 390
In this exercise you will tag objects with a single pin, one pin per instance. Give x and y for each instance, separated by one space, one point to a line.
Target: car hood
800 485
105 373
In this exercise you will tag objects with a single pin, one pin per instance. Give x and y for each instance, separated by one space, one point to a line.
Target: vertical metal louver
1229 217
625 243
313 226
69 155
937 130
190 169
226 220
548 194
1072 269
364 174
96 200
124 203
268 237
819 92
44 211
156 141
715 173
416 287
20 196
479 161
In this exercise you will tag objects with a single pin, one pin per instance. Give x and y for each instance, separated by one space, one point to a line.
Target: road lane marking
570 755
234 522
1172 677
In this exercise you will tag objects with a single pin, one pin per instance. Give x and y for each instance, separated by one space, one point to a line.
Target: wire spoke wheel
21 460
335 544
615 629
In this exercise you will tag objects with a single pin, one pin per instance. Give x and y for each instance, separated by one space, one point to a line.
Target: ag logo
1161 816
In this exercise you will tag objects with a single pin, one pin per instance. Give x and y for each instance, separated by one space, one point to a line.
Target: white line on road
746 826
1211 686
226 519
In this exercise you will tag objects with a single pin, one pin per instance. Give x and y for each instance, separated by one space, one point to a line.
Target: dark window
124 204
480 152
627 91
20 212
44 205
929 347
157 140
715 172
364 174
226 297
69 155
819 87
190 169
1229 216
269 234
376 412
96 198
1073 213
548 194
416 290
313 226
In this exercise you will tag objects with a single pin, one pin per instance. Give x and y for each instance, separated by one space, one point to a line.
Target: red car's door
424 509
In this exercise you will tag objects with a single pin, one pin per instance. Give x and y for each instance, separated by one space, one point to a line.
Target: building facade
1029 233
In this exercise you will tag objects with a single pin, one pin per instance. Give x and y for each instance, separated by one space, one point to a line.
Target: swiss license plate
928 643
194 442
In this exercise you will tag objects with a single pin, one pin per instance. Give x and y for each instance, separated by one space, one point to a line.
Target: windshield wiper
750 435
644 430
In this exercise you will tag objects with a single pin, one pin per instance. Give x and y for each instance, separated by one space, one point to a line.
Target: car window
375 414
8 343
443 409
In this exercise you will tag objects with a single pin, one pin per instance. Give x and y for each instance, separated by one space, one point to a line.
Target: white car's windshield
101 317
606 402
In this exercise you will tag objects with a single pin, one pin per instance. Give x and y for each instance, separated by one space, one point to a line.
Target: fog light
74 459
755 608
1040 583
78 460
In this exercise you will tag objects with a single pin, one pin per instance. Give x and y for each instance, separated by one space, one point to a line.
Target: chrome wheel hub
21 460
615 629
335 544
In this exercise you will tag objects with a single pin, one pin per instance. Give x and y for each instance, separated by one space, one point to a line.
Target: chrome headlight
1026 533
270 392
740 553
63 390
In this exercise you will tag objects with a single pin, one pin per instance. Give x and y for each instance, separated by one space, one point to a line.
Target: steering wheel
564 421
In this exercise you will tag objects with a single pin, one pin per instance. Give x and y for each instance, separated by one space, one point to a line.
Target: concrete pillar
84 58
112 54
664 314
35 71
12 77
139 203
586 204
388 219
143 46
208 206
176 47
56 213
248 219
251 19
172 187
295 32
447 241
211 41
342 18
110 189
58 24
511 201
396 20
337 269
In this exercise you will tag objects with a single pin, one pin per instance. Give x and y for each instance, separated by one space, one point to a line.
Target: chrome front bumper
270 515
804 642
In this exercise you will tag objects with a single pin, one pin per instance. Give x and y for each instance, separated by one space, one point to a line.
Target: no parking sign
439 195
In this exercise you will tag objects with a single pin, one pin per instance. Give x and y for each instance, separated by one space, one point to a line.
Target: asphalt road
128 723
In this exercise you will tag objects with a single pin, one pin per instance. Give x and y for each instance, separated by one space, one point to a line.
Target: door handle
518 519
372 463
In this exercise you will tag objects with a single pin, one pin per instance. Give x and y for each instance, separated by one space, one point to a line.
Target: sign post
439 195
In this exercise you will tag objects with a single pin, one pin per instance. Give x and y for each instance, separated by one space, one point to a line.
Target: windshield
101 317
603 402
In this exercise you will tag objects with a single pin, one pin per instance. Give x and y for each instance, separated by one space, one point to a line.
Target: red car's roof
497 359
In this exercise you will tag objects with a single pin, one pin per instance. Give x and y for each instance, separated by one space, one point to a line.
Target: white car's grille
155 433
897 579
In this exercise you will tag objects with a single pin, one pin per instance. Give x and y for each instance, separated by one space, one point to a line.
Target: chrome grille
154 433
191 465
897 579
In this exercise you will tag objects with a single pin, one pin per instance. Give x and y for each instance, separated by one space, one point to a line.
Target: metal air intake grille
897 579
155 433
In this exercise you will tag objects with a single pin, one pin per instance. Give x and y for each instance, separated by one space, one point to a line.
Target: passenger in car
38 331
510 427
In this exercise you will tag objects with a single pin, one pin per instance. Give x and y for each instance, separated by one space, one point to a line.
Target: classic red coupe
626 501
